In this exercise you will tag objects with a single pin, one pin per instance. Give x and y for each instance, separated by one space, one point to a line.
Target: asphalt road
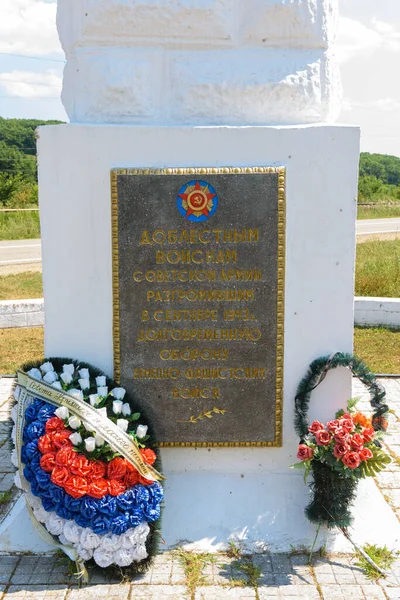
29 251
13 252
376 226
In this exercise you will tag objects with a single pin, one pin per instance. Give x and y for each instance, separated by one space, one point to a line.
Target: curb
21 313
377 311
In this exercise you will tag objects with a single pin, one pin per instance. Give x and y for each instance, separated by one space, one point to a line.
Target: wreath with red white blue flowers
83 493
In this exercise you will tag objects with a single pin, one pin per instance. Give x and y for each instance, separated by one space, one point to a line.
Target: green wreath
332 492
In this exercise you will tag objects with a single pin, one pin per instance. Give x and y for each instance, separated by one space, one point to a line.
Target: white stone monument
166 83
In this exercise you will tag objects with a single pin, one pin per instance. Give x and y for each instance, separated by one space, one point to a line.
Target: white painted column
156 83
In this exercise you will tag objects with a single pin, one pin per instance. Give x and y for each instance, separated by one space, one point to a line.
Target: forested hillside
18 175
379 173
379 178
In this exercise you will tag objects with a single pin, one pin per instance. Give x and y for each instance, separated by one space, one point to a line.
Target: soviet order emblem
197 201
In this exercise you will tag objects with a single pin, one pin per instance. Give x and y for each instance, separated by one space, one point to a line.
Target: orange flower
54 424
59 475
132 475
98 488
362 420
116 468
80 465
61 438
45 444
98 471
64 456
48 461
116 487
76 486
148 455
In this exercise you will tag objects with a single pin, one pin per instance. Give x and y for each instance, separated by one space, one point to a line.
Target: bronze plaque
198 285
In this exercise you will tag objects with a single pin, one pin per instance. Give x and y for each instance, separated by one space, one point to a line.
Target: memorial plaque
198 276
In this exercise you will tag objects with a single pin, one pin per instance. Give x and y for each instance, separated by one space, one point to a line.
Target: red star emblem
197 200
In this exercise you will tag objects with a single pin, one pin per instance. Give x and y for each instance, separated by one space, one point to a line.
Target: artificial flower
126 409
118 393
66 377
84 383
90 444
141 431
50 377
123 424
117 407
62 412
75 438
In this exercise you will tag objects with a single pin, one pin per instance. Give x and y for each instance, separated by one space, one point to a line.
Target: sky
368 49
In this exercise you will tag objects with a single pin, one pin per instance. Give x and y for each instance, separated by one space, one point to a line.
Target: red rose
148 455
98 488
45 444
76 486
323 438
48 461
346 416
304 452
365 454
340 450
116 487
333 426
116 468
351 460
357 441
347 425
54 424
59 475
341 436
315 426
98 471
80 465
145 481
64 456
368 434
61 438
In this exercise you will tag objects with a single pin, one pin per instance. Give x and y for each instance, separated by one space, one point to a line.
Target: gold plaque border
281 171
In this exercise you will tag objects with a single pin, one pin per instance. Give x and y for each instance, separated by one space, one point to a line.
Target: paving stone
214 592
35 592
98 592
373 592
158 592
7 567
348 592
392 593
292 592
142 579
281 563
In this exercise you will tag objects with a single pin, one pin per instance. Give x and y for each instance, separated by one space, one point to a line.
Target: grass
382 556
21 285
378 269
193 564
19 225
5 496
18 346
379 348
378 212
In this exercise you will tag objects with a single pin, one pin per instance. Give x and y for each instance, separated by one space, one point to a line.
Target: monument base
212 494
